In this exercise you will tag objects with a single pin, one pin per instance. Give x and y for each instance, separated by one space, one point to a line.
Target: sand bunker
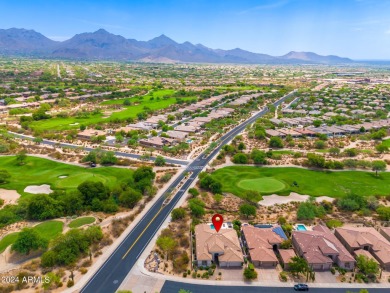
277 199
9 196
35 189
62 177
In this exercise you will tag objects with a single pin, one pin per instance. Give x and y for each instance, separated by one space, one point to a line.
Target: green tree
282 220
93 234
331 224
305 211
352 202
381 148
334 151
379 134
367 266
108 158
383 213
71 203
127 102
317 123
315 160
91 157
42 207
98 138
66 249
144 172
240 158
286 244
209 183
196 207
320 144
160 161
178 214
352 152
258 157
21 157
241 146
167 244
275 142
259 132
29 239
378 166
250 273
91 190
38 140
247 210
130 197
119 138
40 114
298 265
193 191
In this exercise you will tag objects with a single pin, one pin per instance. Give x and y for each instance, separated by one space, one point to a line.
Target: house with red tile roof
221 247
366 241
321 249
262 244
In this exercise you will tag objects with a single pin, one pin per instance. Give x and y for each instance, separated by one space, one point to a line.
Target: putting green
265 184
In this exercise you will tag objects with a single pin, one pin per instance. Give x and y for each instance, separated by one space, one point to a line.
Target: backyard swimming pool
301 227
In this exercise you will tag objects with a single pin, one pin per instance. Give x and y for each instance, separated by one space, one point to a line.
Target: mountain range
102 45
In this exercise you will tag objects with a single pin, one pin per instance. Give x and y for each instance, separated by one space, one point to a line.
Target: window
347 265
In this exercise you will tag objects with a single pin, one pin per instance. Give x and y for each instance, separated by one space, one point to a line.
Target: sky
358 29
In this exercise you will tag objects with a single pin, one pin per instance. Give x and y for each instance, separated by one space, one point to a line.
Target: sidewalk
138 279
153 282
107 254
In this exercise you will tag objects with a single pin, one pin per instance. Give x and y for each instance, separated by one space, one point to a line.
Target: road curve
114 270
75 146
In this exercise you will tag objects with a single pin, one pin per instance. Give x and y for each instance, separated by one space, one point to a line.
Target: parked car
93 165
301 287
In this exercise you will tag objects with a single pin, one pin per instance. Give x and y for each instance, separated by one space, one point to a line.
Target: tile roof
318 242
260 242
286 255
210 241
357 237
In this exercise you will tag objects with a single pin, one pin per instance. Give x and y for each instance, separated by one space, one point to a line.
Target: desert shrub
283 276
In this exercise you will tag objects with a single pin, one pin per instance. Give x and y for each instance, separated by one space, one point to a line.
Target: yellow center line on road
140 235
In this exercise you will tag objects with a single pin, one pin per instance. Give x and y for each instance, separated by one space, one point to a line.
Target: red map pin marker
217 221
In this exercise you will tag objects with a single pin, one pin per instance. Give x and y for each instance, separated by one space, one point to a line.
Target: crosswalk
190 168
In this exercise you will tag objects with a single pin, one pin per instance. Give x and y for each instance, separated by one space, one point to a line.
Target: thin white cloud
266 6
387 32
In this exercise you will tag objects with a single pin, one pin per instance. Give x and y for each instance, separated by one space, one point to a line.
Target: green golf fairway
262 185
238 179
39 171
81 222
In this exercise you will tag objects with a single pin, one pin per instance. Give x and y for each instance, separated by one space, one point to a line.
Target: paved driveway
325 277
269 274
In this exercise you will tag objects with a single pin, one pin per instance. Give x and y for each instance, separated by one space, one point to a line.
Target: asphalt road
111 274
75 146
174 287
